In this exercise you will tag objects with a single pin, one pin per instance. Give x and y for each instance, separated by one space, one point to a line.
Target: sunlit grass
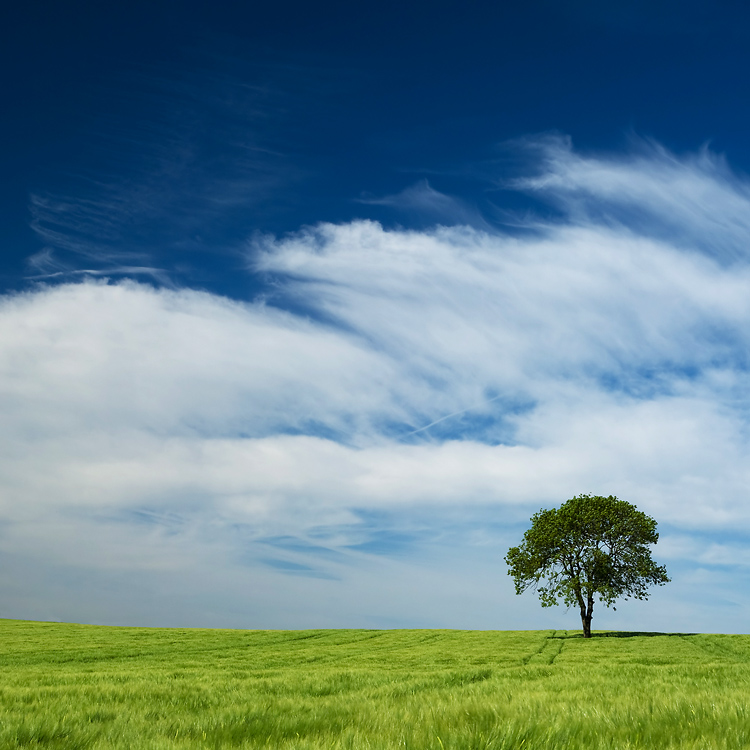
73 686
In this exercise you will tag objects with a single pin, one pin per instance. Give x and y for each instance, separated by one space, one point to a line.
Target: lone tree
589 546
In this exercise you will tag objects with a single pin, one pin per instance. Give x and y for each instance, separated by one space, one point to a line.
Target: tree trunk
586 622
587 612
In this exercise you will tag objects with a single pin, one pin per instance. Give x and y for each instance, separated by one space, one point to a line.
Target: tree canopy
589 546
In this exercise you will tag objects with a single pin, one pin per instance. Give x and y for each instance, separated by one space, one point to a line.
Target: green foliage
95 688
589 546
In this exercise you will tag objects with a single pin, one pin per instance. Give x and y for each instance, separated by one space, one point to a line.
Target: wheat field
78 686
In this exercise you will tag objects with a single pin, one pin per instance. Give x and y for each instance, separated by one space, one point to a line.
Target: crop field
77 686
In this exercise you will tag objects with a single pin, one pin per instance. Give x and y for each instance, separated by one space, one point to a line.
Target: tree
589 546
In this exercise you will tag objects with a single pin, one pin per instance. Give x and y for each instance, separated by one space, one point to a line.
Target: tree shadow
621 634
639 634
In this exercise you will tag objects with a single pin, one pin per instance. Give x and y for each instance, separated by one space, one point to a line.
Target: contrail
454 414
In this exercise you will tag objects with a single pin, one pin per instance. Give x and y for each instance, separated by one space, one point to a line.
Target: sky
306 309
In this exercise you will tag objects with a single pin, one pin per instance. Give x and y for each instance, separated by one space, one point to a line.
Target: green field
78 686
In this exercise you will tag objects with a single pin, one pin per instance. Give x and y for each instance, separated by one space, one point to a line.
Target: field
77 686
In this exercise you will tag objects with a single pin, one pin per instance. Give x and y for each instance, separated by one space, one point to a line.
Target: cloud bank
360 445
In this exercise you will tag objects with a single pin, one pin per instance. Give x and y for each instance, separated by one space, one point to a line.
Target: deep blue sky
340 101
305 309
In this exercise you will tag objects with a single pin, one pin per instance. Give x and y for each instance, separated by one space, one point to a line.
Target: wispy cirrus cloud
693 201
421 202
156 189
432 388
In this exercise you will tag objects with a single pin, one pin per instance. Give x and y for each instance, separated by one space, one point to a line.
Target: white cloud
422 201
171 431
695 199
127 356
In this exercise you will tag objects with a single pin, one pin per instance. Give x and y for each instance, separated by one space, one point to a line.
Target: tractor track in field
548 651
